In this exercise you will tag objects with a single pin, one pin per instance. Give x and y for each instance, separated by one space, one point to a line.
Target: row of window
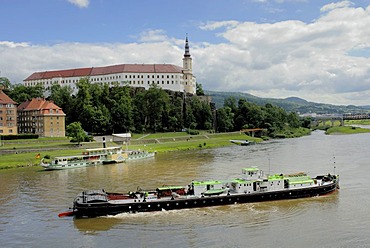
97 79
8 105
40 124
33 113
9 131
111 83
8 124
153 82
8 112
35 118
38 130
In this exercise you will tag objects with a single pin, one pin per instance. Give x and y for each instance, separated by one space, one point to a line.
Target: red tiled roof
95 71
81 72
39 104
5 99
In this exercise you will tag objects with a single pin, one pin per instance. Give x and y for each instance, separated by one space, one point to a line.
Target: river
30 200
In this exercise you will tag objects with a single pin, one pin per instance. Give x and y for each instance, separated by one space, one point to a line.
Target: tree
121 108
175 113
4 83
225 119
275 118
21 93
62 96
82 105
293 120
199 90
231 103
157 106
76 132
202 113
139 112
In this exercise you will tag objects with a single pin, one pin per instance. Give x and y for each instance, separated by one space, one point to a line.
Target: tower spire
187 50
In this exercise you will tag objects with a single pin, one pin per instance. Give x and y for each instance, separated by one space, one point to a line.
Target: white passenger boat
90 157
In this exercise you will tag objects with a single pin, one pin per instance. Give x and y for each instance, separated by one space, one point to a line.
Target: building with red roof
8 115
42 117
166 76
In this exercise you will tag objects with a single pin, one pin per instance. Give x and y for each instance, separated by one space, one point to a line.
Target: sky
313 49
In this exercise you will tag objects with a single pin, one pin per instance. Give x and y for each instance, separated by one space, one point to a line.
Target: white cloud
332 6
80 3
217 25
153 36
290 58
19 62
11 44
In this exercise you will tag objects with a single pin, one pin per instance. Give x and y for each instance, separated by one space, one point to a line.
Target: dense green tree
293 120
139 112
199 89
306 122
231 103
275 118
176 114
241 113
121 108
189 117
62 96
21 93
83 106
225 120
76 132
107 108
202 113
156 101
4 83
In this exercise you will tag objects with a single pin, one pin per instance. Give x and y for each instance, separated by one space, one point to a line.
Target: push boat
253 186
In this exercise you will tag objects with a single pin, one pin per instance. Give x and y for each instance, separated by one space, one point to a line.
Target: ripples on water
30 200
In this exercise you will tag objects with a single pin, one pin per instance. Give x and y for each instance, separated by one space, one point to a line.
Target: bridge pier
316 121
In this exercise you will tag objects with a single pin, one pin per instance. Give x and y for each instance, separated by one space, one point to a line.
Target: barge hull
106 208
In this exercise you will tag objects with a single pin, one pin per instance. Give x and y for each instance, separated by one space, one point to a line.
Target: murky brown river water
30 200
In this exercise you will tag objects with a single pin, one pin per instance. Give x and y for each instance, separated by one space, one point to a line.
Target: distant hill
290 104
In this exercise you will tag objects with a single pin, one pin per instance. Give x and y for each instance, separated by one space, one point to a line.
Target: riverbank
25 153
346 130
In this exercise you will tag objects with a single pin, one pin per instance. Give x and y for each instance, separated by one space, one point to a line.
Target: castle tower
187 64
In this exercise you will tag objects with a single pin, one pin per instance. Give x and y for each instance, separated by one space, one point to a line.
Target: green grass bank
346 130
23 153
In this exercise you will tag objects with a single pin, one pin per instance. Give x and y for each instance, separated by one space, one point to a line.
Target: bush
89 138
193 132
20 136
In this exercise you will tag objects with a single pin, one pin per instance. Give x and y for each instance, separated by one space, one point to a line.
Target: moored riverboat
131 155
253 186
89 157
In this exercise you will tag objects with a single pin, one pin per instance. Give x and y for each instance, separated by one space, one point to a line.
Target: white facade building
166 76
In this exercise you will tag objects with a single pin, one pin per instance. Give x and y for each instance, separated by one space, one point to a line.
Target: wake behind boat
253 186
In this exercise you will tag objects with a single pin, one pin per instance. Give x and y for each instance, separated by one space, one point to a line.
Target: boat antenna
334 164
